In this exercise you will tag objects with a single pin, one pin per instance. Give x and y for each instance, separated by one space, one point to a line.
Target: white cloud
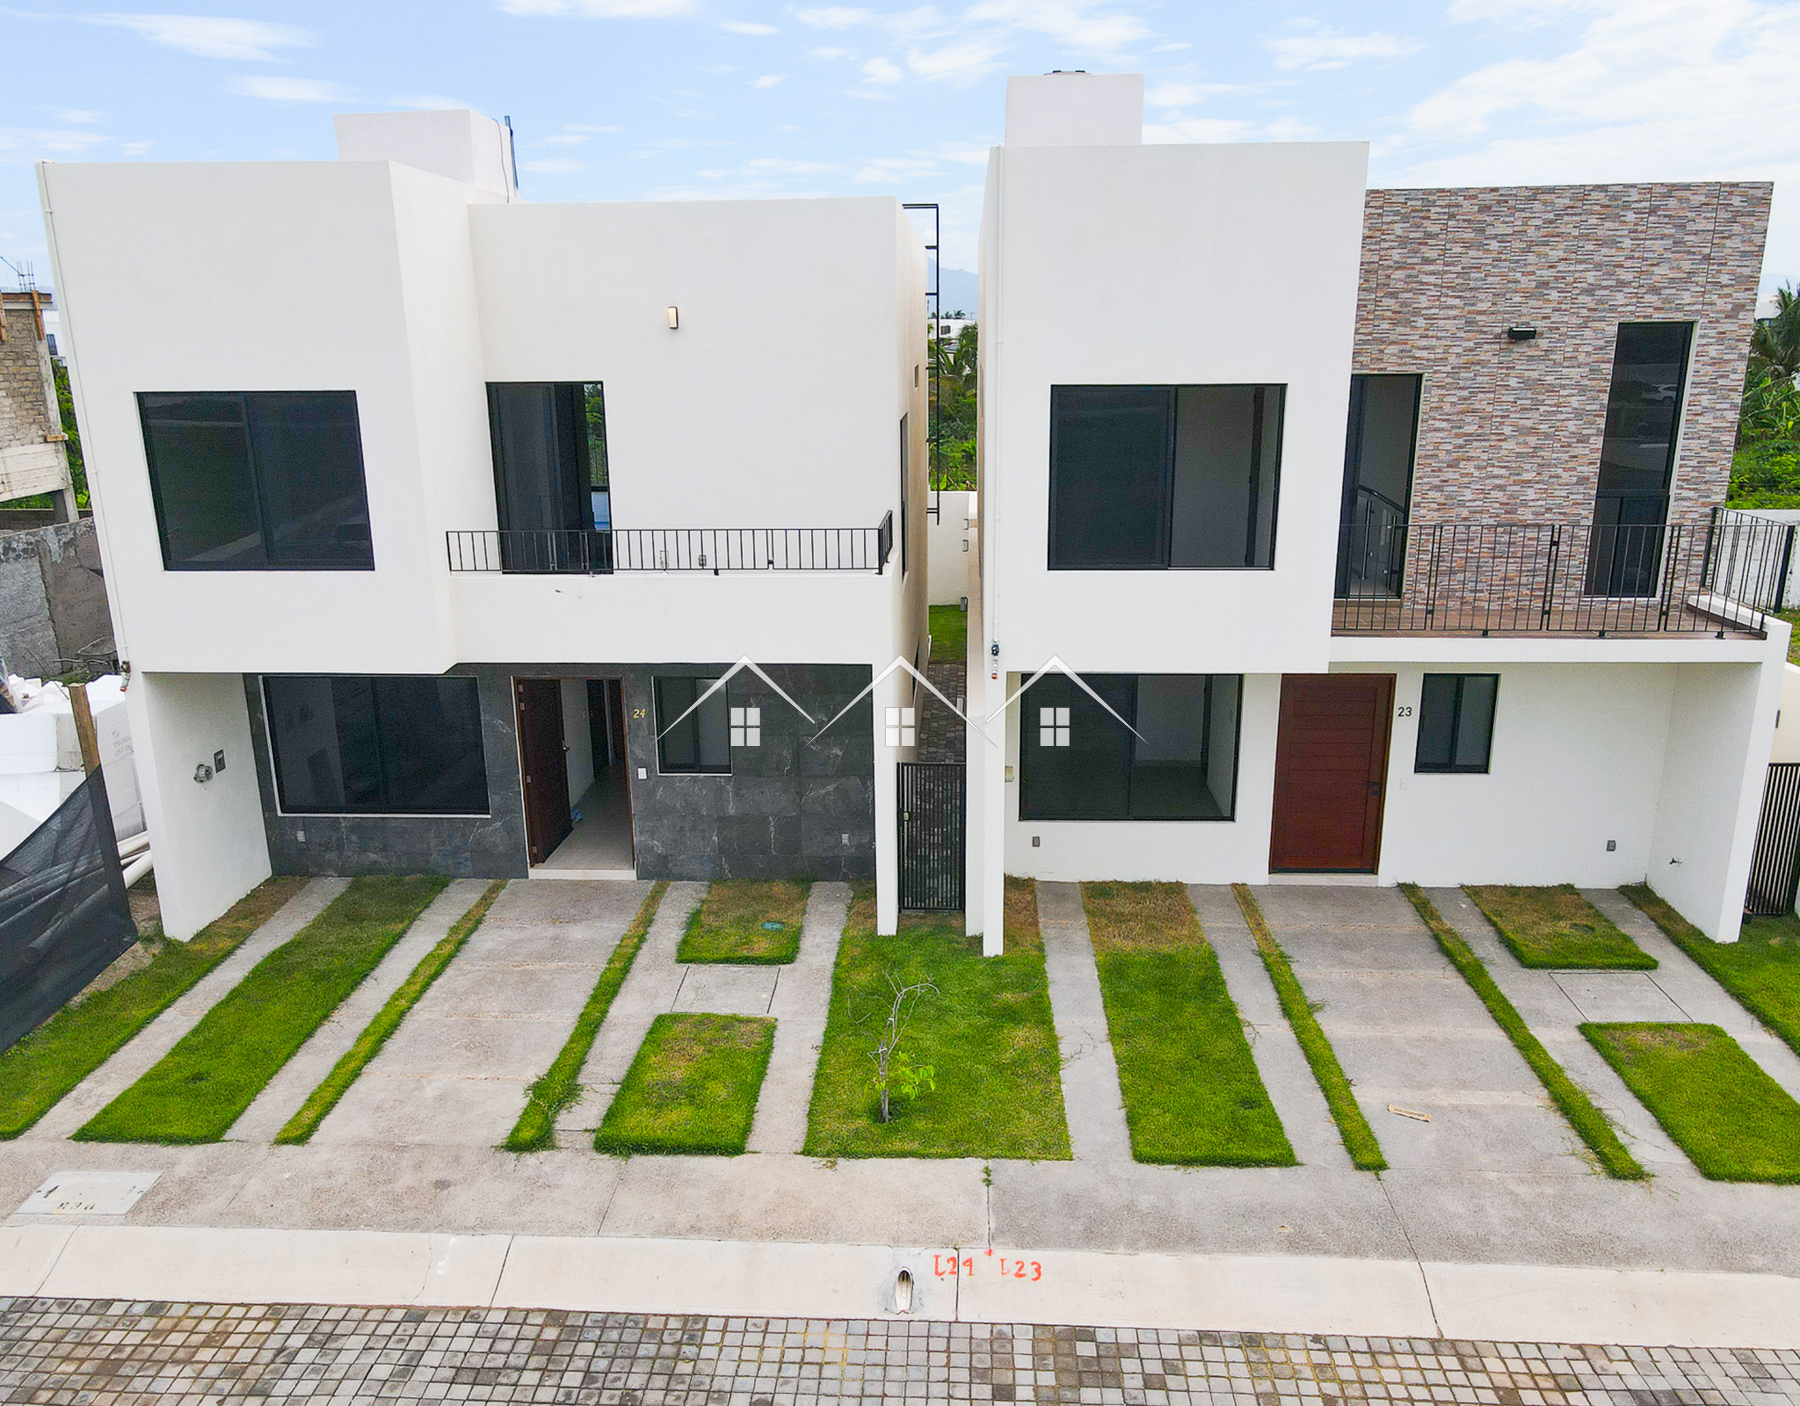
135 148
768 80
599 131
287 90
961 62
79 115
553 166
430 102
1173 95
882 71
601 9
781 165
834 17
211 36
1080 24
1310 45
1228 129
825 55
566 139
747 27
29 143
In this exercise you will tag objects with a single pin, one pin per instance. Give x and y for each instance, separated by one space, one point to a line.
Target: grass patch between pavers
1555 926
1359 1138
49 1062
334 1085
1761 969
1021 932
987 1033
559 1086
949 634
692 1086
1734 1122
202 1086
731 923
1192 1094
1584 1115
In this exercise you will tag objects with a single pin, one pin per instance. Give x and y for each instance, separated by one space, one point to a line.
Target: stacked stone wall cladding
1511 431
27 392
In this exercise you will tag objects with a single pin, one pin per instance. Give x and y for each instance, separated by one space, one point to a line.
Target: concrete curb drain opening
903 1292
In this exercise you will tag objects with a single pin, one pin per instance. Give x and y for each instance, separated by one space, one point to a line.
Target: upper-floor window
549 441
1152 477
257 480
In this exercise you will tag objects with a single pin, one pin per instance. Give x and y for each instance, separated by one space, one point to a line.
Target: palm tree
1775 341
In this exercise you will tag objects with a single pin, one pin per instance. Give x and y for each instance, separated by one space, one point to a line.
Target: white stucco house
429 515
1378 524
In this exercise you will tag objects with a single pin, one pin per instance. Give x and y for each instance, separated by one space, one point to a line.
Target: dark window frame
693 720
1453 767
1166 483
271 732
905 493
266 530
1028 746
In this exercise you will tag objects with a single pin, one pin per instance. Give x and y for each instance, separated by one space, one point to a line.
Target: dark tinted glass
1475 722
1109 476
1222 504
1456 722
1089 778
699 742
201 479
1437 722
1643 408
391 745
543 436
308 453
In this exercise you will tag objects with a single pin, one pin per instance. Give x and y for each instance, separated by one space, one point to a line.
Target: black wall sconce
1521 332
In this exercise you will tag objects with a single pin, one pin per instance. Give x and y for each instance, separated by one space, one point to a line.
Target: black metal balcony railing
709 549
1559 578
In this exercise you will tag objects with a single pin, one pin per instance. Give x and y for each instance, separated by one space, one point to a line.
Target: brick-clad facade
32 458
1511 431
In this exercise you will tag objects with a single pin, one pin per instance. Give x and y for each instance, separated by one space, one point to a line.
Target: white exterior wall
953 536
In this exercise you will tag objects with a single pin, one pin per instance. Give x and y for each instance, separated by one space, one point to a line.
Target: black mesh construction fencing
64 917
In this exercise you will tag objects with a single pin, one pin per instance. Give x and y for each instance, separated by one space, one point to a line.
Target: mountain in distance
958 291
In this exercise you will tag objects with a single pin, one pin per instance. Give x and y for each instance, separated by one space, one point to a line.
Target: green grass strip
1359 1138
387 1020
732 923
559 1087
1734 1122
1554 926
202 1086
692 1087
1584 1116
1761 969
1193 1095
46 1064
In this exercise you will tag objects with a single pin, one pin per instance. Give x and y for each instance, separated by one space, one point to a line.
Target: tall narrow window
550 491
905 493
1456 722
1379 446
693 739
1152 477
1081 762
383 745
257 480
1637 457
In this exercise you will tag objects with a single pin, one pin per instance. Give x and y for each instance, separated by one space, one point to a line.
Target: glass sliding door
1379 446
550 488
1637 458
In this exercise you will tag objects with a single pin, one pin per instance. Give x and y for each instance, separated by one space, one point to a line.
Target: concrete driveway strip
290 1087
160 1036
1090 1075
801 1003
457 1069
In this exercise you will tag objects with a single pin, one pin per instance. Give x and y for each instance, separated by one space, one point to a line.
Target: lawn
202 1086
1584 1116
1192 1093
1731 1118
1557 927
1761 969
37 1071
1353 1127
744 921
949 634
692 1087
987 1034
559 1087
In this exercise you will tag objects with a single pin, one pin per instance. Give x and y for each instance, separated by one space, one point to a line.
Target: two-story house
1376 524
431 515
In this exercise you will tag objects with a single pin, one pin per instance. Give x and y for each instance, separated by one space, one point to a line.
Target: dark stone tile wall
789 809
1511 431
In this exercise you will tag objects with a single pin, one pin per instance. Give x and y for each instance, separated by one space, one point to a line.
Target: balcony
688 549
1715 577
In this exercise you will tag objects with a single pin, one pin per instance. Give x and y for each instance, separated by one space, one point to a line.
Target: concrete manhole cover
88 1193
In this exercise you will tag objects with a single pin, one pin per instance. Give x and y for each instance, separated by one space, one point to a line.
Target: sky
677 99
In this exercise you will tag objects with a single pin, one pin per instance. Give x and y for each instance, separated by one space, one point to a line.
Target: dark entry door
542 765
931 834
1330 772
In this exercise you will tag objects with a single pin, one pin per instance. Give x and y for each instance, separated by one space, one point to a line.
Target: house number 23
1403 711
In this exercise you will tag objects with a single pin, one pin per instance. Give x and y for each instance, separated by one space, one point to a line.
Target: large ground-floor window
1079 762
376 745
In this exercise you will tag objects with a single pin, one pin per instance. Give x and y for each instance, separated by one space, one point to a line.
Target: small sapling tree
894 1066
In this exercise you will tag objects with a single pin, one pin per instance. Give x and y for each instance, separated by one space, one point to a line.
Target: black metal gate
1775 871
931 834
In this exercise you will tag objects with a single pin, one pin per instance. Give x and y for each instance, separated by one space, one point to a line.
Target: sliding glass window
1157 477
1637 457
1080 761
691 739
552 493
257 480
376 745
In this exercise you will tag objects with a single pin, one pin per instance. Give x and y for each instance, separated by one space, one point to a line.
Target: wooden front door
542 765
1331 772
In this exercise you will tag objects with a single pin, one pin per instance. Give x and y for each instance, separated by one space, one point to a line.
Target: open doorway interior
577 791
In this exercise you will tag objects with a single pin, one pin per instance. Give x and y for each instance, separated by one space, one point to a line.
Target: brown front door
542 765
1330 772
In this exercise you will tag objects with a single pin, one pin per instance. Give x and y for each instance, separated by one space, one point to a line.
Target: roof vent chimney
1075 109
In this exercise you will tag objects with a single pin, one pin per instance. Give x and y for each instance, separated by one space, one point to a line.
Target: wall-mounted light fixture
674 317
1521 332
